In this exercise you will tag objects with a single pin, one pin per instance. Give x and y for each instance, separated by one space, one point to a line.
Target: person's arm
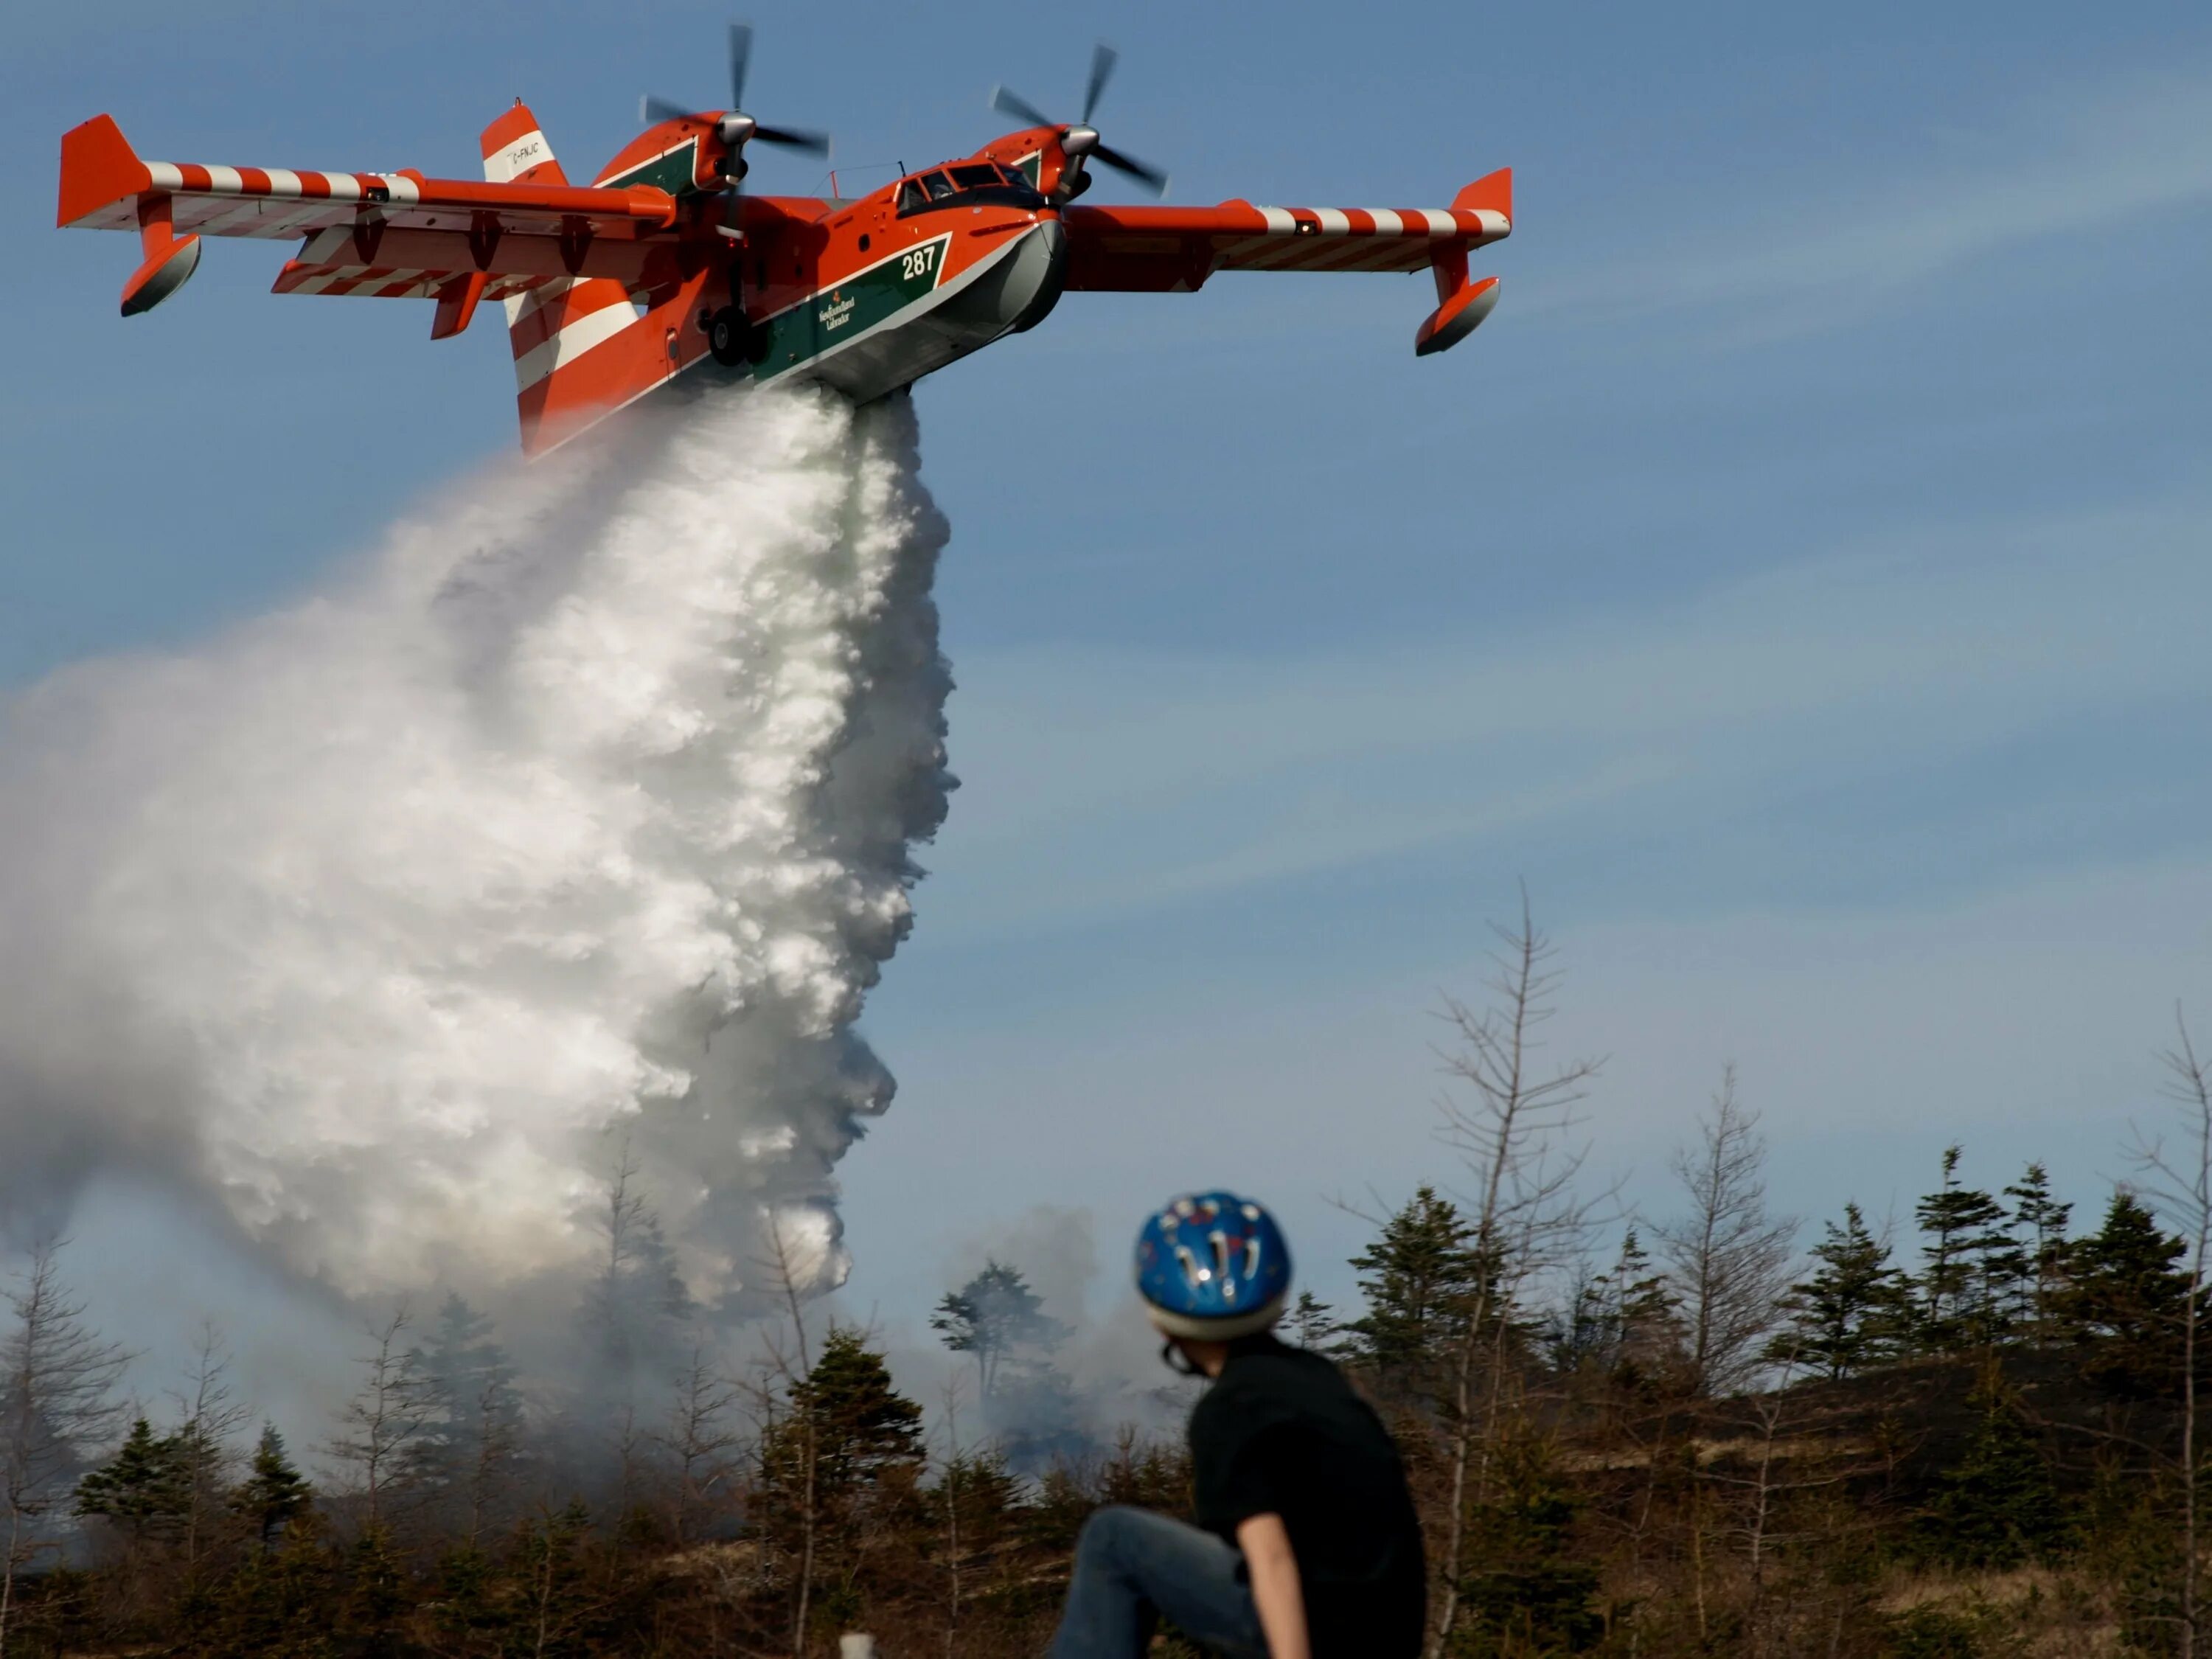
1274 1570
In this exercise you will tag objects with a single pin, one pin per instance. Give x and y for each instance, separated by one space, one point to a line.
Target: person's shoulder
1278 1370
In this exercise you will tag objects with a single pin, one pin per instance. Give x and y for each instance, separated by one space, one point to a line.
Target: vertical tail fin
579 346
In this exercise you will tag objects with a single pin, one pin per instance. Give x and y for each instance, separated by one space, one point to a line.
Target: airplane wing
1175 249
388 234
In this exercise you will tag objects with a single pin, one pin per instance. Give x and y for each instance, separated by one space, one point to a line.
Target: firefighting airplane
663 266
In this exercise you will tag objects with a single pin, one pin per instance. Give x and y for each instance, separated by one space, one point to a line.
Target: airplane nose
1017 290
1027 284
1040 271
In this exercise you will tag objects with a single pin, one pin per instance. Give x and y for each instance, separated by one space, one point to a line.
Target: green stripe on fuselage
674 172
826 319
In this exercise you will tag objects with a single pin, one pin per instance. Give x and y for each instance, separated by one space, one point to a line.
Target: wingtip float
663 266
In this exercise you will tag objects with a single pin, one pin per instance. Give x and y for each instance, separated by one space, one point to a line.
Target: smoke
571 827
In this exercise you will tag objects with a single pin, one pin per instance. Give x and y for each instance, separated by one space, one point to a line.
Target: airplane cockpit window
967 182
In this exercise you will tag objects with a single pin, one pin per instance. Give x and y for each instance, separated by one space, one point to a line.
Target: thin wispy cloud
2053 172
1104 781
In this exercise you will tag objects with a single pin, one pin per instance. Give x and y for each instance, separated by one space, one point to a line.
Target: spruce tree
279 1604
145 1488
2123 1300
376 1593
470 1447
1619 1320
550 1588
1419 1277
1308 1323
1965 1230
1998 1506
274 1493
2038 1231
1854 1312
862 1424
635 1312
1532 1591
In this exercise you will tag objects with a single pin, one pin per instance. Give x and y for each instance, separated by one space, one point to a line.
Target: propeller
732 125
1080 138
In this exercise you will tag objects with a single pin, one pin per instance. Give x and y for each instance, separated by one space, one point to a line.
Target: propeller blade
651 109
1007 101
1102 59
799 138
741 54
1143 171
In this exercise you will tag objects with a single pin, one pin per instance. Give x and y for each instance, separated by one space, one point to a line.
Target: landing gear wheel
729 337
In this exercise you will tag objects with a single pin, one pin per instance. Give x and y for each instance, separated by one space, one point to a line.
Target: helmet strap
1173 1356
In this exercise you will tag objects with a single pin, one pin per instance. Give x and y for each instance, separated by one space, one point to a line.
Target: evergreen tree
998 1318
274 1494
633 1314
2038 1231
1852 1312
1998 1506
1308 1323
1619 1321
279 1604
1965 1229
551 1589
376 1594
862 1425
1418 1278
145 1488
470 1446
1532 1593
2123 1301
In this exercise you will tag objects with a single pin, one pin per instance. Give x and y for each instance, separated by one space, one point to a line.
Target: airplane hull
878 332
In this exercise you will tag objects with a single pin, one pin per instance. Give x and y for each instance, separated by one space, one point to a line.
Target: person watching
1307 1545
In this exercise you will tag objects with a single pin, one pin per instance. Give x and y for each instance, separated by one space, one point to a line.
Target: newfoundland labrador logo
837 312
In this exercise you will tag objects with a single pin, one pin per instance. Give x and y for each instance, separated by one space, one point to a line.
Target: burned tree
1727 1259
1509 1122
57 1408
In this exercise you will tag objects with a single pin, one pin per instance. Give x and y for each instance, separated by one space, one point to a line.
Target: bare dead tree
699 1439
1727 1259
779 1269
2180 1183
1510 1122
57 1381
497 1430
211 1416
952 1470
381 1422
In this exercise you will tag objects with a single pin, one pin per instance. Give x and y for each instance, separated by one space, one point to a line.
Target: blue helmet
1212 1265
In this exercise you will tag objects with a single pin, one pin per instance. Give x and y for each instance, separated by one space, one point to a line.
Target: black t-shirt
1281 1432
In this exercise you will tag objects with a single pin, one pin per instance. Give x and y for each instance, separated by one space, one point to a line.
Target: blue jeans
1131 1566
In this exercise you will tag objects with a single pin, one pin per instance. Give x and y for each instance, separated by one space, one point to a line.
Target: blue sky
1800 581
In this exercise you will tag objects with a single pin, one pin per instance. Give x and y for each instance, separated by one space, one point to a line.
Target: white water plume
576 819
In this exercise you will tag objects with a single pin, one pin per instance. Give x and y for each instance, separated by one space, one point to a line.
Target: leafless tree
636 1312
497 1430
699 1439
791 1367
1727 1259
2180 1181
381 1422
1511 1122
57 1382
211 1415
953 1466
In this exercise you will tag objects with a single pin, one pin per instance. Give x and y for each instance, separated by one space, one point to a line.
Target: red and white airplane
662 266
